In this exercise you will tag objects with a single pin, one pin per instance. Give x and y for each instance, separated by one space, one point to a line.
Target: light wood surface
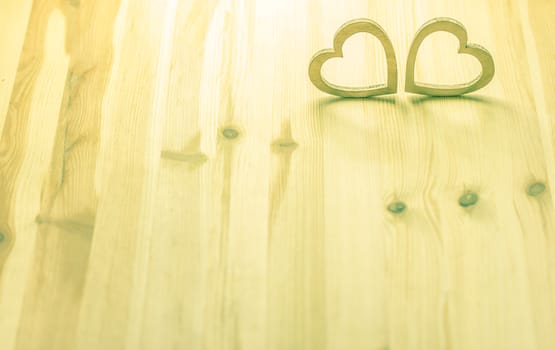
171 179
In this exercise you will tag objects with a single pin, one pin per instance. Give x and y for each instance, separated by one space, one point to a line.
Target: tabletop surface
171 179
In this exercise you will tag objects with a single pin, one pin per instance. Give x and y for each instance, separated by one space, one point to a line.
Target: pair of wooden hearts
368 26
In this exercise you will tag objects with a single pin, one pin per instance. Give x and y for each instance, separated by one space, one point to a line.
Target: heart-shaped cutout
456 28
362 25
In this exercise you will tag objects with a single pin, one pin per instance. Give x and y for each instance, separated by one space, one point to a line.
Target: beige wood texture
170 178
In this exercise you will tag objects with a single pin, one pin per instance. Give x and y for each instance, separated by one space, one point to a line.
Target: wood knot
284 145
230 133
192 158
397 207
536 189
468 199
4 239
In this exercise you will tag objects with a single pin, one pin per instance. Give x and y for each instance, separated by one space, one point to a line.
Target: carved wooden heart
452 26
346 31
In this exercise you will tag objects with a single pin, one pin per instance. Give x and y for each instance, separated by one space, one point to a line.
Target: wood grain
171 179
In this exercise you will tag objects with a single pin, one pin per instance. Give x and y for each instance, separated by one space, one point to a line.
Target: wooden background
170 179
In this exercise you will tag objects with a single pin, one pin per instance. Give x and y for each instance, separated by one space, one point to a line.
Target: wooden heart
452 26
350 28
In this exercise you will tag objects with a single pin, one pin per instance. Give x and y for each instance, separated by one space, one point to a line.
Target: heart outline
361 25
480 53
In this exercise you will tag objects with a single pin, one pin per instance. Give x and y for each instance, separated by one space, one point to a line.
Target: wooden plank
126 175
354 235
25 149
69 198
14 18
178 254
541 53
